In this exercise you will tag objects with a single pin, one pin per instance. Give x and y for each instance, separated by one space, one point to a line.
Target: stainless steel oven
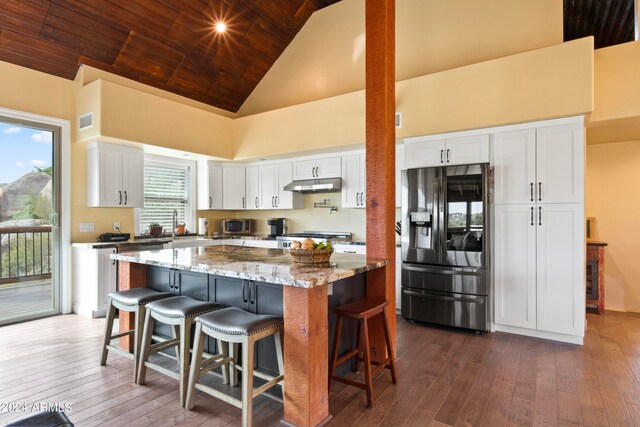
444 245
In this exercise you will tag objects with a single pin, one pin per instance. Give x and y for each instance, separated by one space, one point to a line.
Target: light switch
87 227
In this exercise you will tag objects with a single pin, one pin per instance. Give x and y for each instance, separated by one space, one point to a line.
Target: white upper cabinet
115 176
560 164
317 168
233 191
209 185
560 268
272 180
514 165
544 165
354 182
252 189
421 154
425 152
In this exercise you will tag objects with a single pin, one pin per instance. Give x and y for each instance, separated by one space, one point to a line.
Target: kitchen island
263 281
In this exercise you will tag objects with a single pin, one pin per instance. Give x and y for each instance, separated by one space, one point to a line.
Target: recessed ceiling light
221 27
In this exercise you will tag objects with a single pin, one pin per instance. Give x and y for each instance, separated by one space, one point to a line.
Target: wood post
306 356
130 275
380 160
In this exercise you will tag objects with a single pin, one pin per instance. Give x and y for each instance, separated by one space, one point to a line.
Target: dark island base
255 297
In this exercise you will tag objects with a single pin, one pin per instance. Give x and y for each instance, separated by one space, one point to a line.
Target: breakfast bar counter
263 281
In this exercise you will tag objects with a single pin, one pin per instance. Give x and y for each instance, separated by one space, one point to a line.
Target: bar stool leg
196 362
367 363
223 348
108 330
392 355
355 362
334 353
247 381
149 323
233 350
175 333
278 337
137 339
185 345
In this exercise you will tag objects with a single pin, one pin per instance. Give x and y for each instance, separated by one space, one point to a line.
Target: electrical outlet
87 227
116 226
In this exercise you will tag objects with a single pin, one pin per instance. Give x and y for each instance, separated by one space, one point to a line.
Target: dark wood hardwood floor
446 378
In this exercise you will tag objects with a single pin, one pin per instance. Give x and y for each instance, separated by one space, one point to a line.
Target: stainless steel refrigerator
445 245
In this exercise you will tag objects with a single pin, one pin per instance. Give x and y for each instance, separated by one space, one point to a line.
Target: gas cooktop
285 240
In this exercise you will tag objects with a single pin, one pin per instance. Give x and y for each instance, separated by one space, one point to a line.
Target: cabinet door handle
539 215
448 155
531 190
125 198
532 215
441 156
256 202
251 292
113 261
119 197
357 195
539 191
210 202
243 203
244 291
277 201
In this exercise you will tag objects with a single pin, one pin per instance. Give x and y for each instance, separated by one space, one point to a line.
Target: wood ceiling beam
380 159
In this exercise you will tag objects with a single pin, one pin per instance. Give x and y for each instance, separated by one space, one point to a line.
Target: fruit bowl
311 256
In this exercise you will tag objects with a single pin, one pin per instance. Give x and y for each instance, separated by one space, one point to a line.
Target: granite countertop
259 264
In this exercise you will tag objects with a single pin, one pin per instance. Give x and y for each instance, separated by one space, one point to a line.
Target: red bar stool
362 310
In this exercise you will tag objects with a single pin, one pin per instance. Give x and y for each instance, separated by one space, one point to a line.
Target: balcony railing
25 253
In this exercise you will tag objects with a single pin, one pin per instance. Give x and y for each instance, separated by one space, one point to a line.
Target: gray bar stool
180 312
236 326
133 301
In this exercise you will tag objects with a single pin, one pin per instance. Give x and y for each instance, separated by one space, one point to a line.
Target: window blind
166 188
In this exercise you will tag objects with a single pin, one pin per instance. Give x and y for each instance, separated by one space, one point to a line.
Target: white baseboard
571 339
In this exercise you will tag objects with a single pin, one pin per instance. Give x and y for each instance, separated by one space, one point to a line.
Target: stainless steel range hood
324 185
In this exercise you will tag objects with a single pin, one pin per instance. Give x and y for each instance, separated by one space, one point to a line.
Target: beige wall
34 92
326 58
616 116
556 81
612 180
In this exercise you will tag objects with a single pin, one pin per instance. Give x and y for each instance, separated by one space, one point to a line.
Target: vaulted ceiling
171 44
611 22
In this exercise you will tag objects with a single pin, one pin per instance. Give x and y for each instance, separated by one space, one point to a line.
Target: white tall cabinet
538 220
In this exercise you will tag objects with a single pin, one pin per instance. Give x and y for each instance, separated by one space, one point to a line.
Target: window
168 185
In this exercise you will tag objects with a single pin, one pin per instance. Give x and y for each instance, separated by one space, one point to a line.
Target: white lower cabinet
560 270
538 264
94 277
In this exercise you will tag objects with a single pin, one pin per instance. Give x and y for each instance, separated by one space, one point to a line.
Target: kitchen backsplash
298 220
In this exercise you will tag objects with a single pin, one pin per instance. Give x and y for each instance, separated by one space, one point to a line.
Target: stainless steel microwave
236 226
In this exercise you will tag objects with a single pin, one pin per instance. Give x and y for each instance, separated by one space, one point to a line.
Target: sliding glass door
29 220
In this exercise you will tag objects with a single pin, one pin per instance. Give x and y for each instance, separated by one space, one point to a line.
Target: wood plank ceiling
171 44
611 22
167 44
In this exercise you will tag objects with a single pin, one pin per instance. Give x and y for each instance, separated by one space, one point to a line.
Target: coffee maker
278 226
